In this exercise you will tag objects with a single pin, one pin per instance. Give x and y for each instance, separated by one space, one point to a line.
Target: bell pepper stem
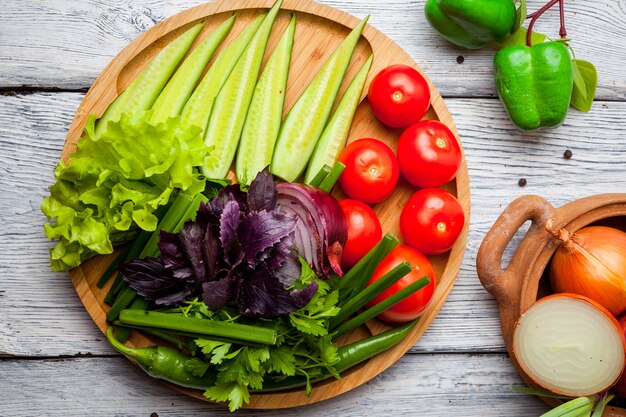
536 15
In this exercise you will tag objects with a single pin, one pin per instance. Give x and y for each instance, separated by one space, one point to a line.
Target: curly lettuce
115 181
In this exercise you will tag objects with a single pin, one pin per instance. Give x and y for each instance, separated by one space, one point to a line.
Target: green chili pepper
535 83
349 356
165 363
471 23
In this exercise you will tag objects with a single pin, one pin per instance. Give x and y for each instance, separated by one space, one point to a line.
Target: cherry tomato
429 155
371 171
399 96
364 231
414 305
432 220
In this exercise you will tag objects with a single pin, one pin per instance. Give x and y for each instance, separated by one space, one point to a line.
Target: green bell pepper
471 23
535 83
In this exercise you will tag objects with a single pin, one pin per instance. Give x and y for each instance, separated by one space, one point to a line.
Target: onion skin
592 262
620 387
598 306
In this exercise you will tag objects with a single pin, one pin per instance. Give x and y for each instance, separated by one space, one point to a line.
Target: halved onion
570 345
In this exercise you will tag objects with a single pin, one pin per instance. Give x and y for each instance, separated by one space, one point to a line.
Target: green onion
319 177
116 288
380 307
357 277
329 182
602 405
369 293
572 408
235 331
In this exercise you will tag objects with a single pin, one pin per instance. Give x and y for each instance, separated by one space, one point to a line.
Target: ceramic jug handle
489 257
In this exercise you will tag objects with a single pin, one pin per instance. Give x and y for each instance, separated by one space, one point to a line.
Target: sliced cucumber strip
178 90
146 87
232 102
266 111
335 134
306 120
198 108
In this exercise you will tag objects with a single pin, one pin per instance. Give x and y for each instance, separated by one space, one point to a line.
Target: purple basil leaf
174 297
170 248
184 274
300 298
150 278
262 230
289 271
262 192
216 294
211 251
262 295
228 194
191 237
229 224
205 217
280 253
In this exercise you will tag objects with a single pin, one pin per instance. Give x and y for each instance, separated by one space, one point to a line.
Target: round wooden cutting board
320 29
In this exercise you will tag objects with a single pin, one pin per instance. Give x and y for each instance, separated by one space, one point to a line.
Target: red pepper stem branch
536 15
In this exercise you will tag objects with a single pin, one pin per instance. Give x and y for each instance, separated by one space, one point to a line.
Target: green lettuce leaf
115 181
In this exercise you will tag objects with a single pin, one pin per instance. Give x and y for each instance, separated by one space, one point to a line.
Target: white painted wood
40 314
65 43
448 385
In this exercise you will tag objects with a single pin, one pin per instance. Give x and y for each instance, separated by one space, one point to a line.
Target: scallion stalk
373 311
319 177
211 328
329 182
357 277
370 292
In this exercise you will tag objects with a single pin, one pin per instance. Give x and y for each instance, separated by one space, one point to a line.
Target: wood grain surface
55 362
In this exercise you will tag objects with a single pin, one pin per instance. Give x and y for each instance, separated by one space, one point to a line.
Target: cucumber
266 111
198 108
146 87
178 90
306 120
231 104
335 133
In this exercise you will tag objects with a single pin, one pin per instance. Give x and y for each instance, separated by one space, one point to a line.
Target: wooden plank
434 385
65 44
41 315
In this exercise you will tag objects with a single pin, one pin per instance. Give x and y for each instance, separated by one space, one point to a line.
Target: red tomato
415 304
429 155
432 220
399 96
364 231
371 171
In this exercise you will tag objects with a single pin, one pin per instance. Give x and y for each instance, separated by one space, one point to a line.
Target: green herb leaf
196 366
585 83
519 38
282 361
520 15
235 394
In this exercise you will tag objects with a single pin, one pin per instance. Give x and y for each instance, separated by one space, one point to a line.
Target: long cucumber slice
336 132
266 111
146 87
198 108
178 90
231 104
306 120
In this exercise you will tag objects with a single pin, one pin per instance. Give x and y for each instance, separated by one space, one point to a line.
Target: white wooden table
53 359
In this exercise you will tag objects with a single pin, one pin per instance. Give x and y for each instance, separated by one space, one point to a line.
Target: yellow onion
592 262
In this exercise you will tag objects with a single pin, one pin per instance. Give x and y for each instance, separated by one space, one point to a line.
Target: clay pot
525 279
